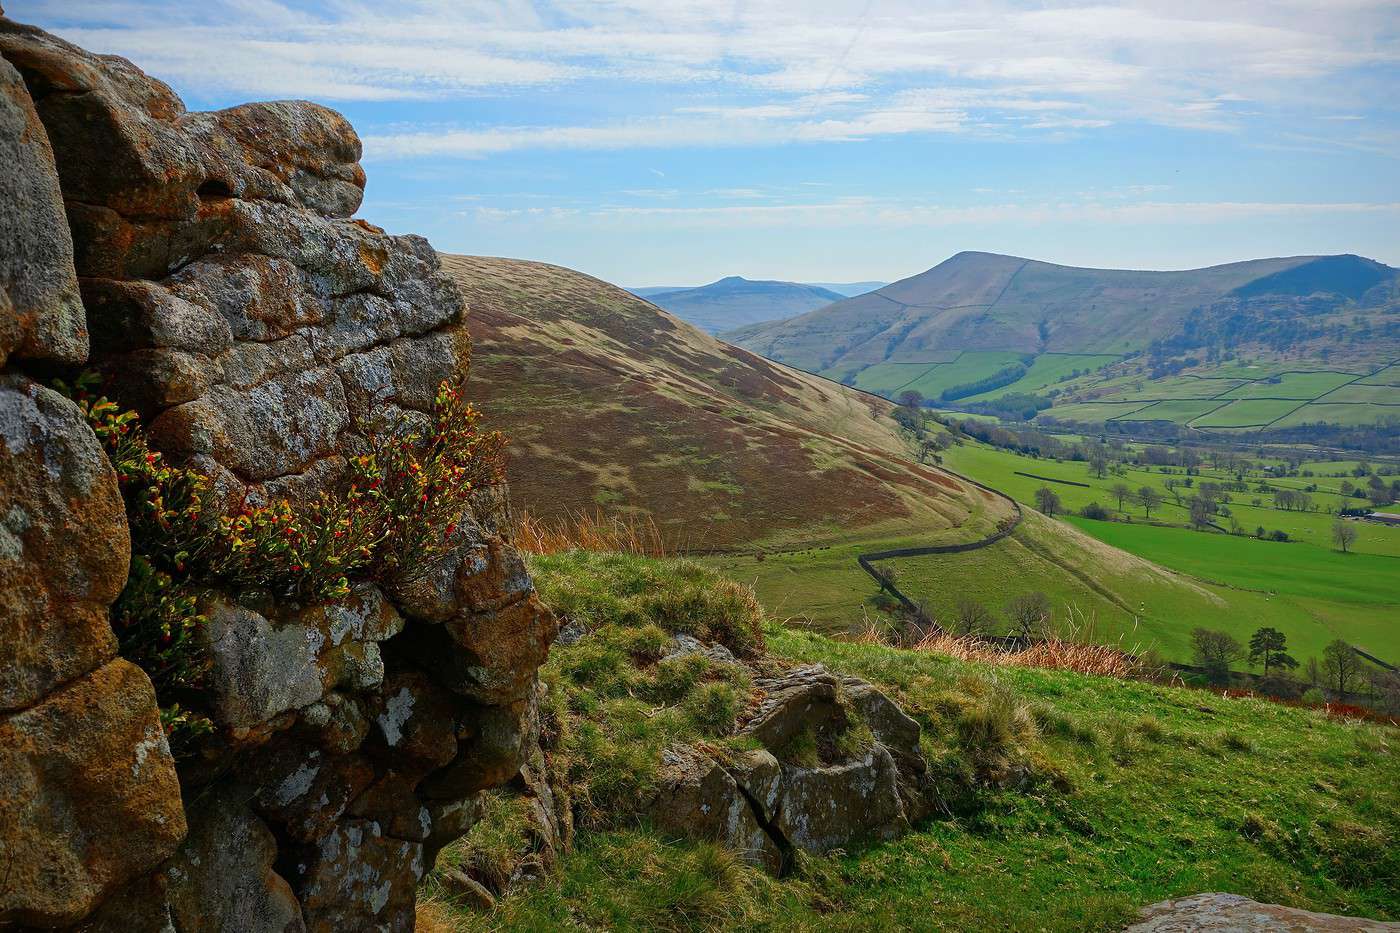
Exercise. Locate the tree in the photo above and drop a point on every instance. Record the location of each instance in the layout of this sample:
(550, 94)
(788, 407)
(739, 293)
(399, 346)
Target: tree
(1121, 492)
(1201, 511)
(1215, 651)
(1343, 534)
(1150, 499)
(1269, 647)
(911, 398)
(1098, 461)
(1047, 501)
(971, 617)
(1172, 483)
(1028, 613)
(1342, 666)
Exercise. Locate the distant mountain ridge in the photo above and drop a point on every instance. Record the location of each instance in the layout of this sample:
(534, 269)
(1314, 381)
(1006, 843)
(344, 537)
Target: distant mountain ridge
(985, 301)
(735, 301)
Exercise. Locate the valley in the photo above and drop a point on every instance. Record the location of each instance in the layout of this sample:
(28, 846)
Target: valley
(780, 479)
(1277, 345)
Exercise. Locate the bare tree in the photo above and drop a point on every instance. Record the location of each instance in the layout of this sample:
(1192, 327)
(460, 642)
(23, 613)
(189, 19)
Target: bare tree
(1343, 534)
(1149, 498)
(1029, 613)
(1215, 651)
(1342, 666)
(971, 617)
(1120, 491)
(1047, 501)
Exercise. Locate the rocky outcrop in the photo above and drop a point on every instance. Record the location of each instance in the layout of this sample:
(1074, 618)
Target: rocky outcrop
(1231, 913)
(839, 765)
(210, 270)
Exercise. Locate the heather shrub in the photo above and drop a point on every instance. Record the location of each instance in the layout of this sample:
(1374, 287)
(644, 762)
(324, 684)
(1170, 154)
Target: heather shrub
(394, 516)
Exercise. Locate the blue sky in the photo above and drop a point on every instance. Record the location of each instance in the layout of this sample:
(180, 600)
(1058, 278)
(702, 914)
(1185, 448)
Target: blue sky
(677, 141)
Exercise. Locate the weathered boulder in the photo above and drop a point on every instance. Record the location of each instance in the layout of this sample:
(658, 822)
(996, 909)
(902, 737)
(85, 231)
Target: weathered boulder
(89, 793)
(832, 806)
(64, 547)
(700, 799)
(1231, 913)
(264, 337)
(818, 783)
(41, 313)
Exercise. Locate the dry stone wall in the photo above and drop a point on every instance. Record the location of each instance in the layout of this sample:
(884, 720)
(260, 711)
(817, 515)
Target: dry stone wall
(207, 264)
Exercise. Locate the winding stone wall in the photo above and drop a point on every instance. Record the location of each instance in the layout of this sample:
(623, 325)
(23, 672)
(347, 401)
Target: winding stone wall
(228, 296)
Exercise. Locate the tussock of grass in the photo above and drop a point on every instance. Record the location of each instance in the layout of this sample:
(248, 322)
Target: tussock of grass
(589, 531)
(630, 591)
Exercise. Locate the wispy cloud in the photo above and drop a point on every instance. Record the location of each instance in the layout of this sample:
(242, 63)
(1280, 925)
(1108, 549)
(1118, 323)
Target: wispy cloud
(855, 212)
(824, 70)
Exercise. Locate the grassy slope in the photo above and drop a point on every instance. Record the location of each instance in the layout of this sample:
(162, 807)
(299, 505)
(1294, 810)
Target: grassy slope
(1304, 588)
(1140, 793)
(610, 402)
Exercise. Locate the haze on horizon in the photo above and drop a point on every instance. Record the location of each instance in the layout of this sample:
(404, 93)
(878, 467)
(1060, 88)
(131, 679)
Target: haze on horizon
(654, 142)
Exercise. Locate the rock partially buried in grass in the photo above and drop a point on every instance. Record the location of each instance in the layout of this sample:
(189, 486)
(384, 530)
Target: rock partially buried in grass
(1231, 913)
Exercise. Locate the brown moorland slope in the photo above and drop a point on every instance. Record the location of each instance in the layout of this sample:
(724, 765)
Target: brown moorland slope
(611, 402)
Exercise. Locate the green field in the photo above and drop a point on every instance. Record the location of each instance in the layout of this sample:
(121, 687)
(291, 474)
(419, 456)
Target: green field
(1047, 370)
(1361, 392)
(1293, 385)
(1246, 413)
(888, 378)
(1264, 394)
(1390, 376)
(970, 366)
(1178, 411)
(1350, 413)
(1175, 387)
(1097, 411)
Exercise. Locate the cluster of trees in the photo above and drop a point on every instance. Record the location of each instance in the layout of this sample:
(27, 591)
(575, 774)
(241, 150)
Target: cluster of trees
(1147, 497)
(1013, 406)
(1340, 671)
(1002, 377)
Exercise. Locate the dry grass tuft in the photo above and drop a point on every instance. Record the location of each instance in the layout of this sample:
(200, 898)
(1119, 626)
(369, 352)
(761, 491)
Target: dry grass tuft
(1054, 654)
(583, 531)
(1078, 652)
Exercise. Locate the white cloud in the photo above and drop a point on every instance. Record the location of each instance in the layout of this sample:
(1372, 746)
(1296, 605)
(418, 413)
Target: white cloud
(860, 212)
(816, 70)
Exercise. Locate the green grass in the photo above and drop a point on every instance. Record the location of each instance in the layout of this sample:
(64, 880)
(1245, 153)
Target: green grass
(1138, 793)
(1096, 411)
(888, 378)
(1245, 413)
(1046, 372)
(1390, 376)
(970, 366)
(1297, 569)
(1304, 588)
(1293, 385)
(1361, 392)
(1179, 411)
(1352, 413)
(1174, 387)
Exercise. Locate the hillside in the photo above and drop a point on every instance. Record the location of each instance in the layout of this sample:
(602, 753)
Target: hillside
(610, 402)
(980, 326)
(738, 302)
(1066, 801)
